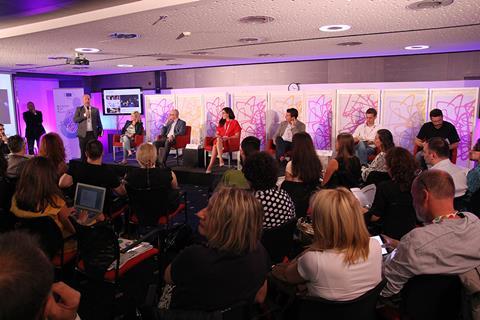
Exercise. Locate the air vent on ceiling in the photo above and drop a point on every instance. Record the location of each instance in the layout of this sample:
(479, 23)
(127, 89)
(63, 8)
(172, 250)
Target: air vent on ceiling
(58, 58)
(24, 64)
(79, 67)
(165, 59)
(123, 35)
(257, 19)
(174, 64)
(349, 44)
(201, 53)
(429, 4)
(250, 40)
(264, 55)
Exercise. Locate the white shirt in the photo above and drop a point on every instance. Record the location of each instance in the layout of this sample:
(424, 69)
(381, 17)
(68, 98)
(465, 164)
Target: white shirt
(89, 119)
(330, 278)
(366, 133)
(172, 129)
(458, 174)
(287, 135)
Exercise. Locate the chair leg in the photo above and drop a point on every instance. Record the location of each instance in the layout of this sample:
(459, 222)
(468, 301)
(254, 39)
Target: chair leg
(205, 152)
(176, 150)
(113, 148)
(229, 159)
(238, 160)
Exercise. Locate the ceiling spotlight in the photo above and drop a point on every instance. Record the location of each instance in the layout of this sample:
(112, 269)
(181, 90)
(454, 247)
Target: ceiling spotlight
(184, 34)
(417, 47)
(124, 65)
(257, 19)
(335, 28)
(87, 50)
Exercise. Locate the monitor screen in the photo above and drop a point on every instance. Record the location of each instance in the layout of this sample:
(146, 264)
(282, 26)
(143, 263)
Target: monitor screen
(89, 197)
(122, 101)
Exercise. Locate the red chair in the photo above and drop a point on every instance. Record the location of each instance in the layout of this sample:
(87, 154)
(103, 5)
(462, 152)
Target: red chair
(181, 141)
(453, 152)
(230, 146)
(271, 148)
(138, 140)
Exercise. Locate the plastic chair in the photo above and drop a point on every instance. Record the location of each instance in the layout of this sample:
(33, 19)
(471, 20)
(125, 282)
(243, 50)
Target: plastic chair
(181, 141)
(453, 152)
(361, 308)
(138, 140)
(271, 149)
(279, 241)
(230, 146)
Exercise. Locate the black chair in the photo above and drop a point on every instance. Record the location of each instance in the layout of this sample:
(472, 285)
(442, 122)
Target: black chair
(431, 297)
(375, 177)
(361, 308)
(279, 241)
(300, 194)
(239, 311)
(7, 189)
(474, 203)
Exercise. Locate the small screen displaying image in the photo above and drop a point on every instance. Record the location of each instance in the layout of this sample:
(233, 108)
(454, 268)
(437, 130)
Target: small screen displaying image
(122, 101)
(4, 108)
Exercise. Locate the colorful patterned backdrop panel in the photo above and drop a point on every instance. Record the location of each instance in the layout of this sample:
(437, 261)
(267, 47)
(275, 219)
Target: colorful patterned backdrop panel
(459, 107)
(320, 118)
(214, 103)
(404, 112)
(190, 108)
(250, 111)
(351, 107)
(157, 108)
(278, 104)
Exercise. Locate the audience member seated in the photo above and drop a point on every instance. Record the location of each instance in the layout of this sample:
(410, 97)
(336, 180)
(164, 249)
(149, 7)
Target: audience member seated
(437, 127)
(17, 157)
(38, 195)
(345, 169)
(51, 147)
(235, 178)
(284, 134)
(5, 194)
(436, 153)
(364, 136)
(392, 209)
(232, 267)
(447, 244)
(131, 128)
(27, 290)
(147, 178)
(383, 142)
(302, 173)
(95, 173)
(3, 140)
(228, 128)
(343, 262)
(473, 180)
(261, 171)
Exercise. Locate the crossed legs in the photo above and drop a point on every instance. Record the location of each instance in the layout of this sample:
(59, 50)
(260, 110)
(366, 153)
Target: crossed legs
(217, 150)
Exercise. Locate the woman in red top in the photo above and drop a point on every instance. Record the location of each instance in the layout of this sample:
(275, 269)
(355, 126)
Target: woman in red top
(228, 128)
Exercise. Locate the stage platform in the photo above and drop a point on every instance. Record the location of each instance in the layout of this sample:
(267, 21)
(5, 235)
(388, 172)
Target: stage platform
(185, 175)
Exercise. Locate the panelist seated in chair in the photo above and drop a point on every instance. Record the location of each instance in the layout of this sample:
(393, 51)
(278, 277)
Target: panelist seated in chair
(231, 268)
(132, 127)
(174, 127)
(343, 262)
(437, 127)
(284, 134)
(364, 136)
(228, 128)
(149, 187)
(37, 195)
(93, 172)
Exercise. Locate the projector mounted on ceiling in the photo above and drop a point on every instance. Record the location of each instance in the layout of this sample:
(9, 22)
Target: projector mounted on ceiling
(79, 60)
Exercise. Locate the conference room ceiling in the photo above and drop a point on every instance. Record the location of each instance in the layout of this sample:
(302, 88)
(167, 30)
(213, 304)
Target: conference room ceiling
(28, 42)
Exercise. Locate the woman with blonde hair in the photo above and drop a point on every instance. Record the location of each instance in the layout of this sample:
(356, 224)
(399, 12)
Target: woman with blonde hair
(52, 148)
(231, 267)
(153, 192)
(345, 169)
(343, 262)
(132, 127)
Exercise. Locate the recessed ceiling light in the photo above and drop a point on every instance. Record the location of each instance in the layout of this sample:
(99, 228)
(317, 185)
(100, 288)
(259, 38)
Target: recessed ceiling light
(165, 59)
(429, 4)
(335, 28)
(251, 40)
(265, 55)
(257, 19)
(417, 47)
(123, 35)
(349, 44)
(201, 53)
(124, 65)
(87, 50)
(174, 64)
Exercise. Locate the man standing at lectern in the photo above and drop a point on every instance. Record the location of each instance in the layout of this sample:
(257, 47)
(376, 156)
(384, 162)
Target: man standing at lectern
(174, 127)
(89, 124)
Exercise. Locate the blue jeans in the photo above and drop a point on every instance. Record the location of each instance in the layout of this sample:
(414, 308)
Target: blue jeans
(362, 151)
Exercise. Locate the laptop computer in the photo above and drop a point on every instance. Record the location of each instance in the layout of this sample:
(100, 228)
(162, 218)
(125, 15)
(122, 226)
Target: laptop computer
(89, 199)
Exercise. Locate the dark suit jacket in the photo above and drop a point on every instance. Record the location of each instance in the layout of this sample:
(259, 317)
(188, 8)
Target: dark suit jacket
(138, 127)
(33, 121)
(81, 119)
(179, 129)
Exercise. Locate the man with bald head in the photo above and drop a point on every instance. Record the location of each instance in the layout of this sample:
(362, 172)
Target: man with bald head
(447, 244)
(89, 124)
(166, 139)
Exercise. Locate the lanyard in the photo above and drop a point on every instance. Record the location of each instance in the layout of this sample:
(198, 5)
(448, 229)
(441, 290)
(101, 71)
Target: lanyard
(448, 216)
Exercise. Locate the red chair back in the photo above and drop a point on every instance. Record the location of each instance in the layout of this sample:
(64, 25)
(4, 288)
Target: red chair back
(139, 138)
(232, 145)
(181, 141)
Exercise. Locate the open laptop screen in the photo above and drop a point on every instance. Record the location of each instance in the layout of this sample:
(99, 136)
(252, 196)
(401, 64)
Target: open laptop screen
(89, 197)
